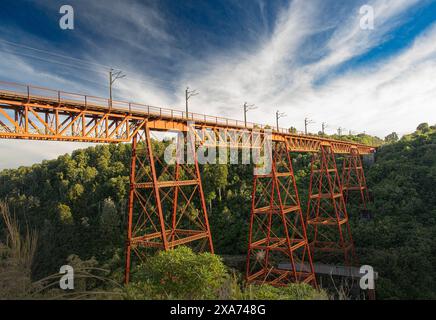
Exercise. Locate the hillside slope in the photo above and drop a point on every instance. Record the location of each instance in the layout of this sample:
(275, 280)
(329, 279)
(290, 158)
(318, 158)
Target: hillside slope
(401, 241)
(77, 203)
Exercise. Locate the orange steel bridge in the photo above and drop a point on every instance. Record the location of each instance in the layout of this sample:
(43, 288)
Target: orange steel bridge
(166, 205)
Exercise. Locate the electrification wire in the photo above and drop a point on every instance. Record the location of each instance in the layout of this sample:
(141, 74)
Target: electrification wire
(129, 78)
(107, 68)
(55, 54)
(68, 66)
(50, 61)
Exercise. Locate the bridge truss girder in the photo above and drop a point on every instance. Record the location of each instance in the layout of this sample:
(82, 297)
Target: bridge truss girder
(63, 123)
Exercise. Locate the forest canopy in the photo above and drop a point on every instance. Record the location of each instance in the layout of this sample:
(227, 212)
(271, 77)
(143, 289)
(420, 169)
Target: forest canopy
(77, 205)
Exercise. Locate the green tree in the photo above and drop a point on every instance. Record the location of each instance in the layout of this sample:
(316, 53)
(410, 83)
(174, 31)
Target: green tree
(393, 137)
(109, 219)
(423, 127)
(65, 215)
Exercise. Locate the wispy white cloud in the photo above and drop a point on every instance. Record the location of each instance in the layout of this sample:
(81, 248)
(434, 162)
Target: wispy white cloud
(228, 79)
(272, 78)
(395, 94)
(350, 40)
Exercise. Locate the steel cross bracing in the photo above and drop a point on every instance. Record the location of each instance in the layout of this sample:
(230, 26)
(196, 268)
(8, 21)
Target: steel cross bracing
(166, 205)
(277, 231)
(327, 222)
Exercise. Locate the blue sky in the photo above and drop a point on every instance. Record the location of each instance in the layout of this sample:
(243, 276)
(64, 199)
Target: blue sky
(307, 58)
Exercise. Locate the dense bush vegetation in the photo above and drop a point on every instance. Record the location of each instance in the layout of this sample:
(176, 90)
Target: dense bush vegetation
(183, 274)
(400, 241)
(180, 274)
(77, 204)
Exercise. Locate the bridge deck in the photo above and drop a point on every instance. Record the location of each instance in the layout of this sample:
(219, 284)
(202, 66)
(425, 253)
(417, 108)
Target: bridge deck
(30, 112)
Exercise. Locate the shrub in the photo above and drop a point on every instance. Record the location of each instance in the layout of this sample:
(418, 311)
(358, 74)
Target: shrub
(178, 274)
(289, 292)
(183, 274)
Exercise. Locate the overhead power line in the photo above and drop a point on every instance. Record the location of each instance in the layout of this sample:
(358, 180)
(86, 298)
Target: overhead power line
(279, 115)
(114, 76)
(188, 95)
(86, 65)
(306, 124)
(55, 54)
(324, 126)
(51, 61)
(248, 107)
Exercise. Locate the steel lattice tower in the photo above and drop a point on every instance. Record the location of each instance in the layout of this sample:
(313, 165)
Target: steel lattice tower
(163, 200)
(277, 232)
(353, 178)
(327, 218)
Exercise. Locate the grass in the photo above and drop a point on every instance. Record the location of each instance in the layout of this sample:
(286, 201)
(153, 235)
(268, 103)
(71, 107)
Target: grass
(16, 258)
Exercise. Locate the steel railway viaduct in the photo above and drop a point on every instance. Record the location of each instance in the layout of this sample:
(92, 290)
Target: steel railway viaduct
(166, 205)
